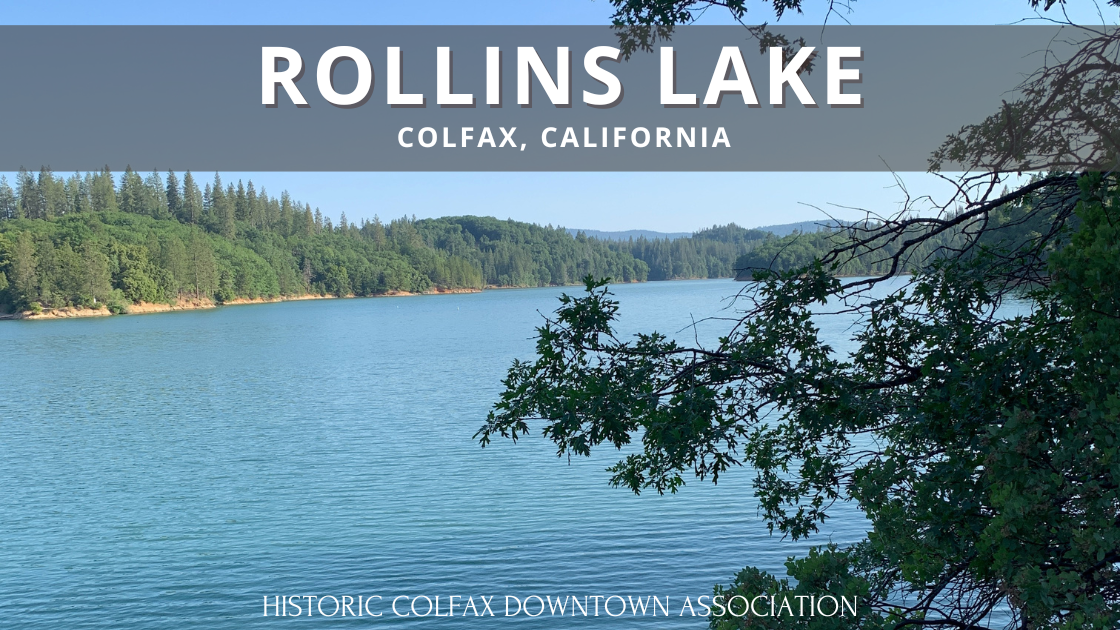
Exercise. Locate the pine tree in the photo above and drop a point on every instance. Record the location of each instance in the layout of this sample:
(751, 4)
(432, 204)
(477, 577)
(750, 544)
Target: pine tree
(270, 210)
(155, 196)
(241, 203)
(52, 195)
(28, 192)
(378, 232)
(9, 205)
(307, 273)
(222, 202)
(254, 213)
(95, 276)
(174, 197)
(47, 271)
(203, 272)
(85, 193)
(173, 258)
(308, 221)
(130, 197)
(76, 194)
(103, 194)
(285, 222)
(192, 200)
(22, 271)
(228, 225)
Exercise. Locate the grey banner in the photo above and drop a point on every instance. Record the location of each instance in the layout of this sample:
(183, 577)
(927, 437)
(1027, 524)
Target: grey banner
(191, 97)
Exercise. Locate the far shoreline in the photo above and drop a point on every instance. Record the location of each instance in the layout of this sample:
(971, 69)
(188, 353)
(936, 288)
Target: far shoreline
(198, 304)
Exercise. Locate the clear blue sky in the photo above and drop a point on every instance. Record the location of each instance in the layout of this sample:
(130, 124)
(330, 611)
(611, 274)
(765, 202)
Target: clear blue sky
(605, 201)
(491, 12)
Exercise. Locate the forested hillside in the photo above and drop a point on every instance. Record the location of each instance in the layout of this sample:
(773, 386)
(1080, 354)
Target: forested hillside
(710, 253)
(799, 249)
(94, 240)
(105, 241)
(511, 253)
(520, 254)
(1013, 225)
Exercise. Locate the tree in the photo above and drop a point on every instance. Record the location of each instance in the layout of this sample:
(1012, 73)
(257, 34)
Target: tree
(155, 256)
(981, 446)
(286, 214)
(48, 274)
(221, 209)
(308, 221)
(980, 442)
(130, 198)
(174, 196)
(203, 270)
(95, 274)
(22, 271)
(255, 214)
(77, 193)
(52, 195)
(377, 231)
(192, 200)
(134, 273)
(173, 258)
(155, 197)
(103, 194)
(9, 208)
(270, 210)
(29, 198)
(338, 281)
(241, 203)
(671, 13)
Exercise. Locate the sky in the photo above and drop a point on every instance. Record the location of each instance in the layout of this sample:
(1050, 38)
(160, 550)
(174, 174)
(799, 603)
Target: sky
(668, 202)
(496, 12)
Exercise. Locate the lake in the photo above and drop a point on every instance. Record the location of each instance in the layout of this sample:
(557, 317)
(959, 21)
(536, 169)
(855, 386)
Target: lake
(169, 471)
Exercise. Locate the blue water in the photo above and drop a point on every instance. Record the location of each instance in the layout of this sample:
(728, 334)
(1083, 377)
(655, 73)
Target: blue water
(169, 471)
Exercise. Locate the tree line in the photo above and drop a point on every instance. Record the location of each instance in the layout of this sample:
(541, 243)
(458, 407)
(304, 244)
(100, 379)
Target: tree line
(855, 249)
(98, 239)
(710, 253)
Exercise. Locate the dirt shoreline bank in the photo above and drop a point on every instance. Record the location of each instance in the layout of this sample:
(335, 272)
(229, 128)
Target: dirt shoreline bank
(194, 304)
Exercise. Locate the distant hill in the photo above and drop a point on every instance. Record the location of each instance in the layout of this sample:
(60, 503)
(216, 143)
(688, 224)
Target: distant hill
(781, 229)
(805, 227)
(626, 235)
(707, 253)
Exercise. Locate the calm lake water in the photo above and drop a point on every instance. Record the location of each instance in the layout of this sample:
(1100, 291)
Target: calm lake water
(169, 471)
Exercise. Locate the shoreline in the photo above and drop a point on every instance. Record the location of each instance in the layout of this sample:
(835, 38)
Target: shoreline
(197, 304)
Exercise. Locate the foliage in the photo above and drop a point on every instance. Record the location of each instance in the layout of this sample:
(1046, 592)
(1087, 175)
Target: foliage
(980, 439)
(975, 422)
(520, 254)
(510, 253)
(85, 241)
(801, 249)
(709, 253)
(166, 241)
(1064, 115)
